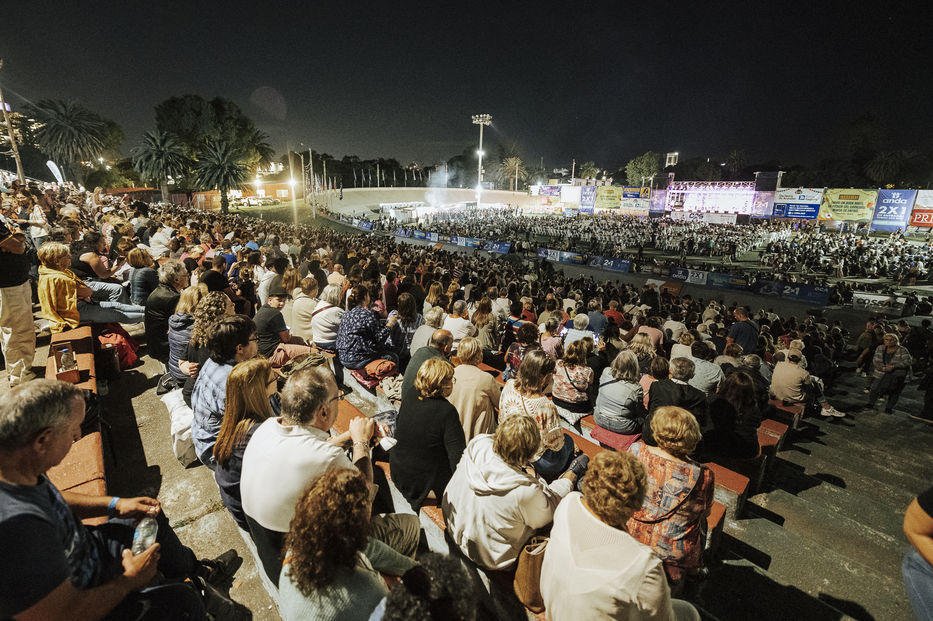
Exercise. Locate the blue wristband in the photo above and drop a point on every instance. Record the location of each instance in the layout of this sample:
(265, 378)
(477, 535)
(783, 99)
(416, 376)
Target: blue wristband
(112, 507)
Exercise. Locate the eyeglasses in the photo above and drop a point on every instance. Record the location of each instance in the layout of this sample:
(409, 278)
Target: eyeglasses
(254, 338)
(340, 397)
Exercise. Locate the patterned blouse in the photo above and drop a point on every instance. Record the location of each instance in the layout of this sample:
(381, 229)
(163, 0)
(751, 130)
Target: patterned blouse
(571, 382)
(511, 403)
(672, 520)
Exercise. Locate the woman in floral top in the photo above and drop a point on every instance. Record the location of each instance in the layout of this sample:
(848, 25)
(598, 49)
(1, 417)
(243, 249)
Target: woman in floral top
(525, 396)
(525, 340)
(672, 520)
(361, 337)
(573, 382)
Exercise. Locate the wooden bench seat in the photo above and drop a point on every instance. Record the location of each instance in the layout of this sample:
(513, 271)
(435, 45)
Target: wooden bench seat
(714, 525)
(82, 340)
(731, 489)
(82, 470)
(793, 412)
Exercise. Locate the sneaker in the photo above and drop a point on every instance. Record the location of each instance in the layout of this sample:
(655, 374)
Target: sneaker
(922, 418)
(218, 570)
(862, 374)
(831, 411)
(219, 606)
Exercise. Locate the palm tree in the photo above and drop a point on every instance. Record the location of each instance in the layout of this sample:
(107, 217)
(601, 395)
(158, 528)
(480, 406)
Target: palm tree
(885, 166)
(220, 167)
(735, 162)
(68, 132)
(589, 169)
(512, 169)
(159, 157)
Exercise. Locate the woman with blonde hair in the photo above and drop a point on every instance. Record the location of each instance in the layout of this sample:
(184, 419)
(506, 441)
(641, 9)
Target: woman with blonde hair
(249, 386)
(436, 297)
(581, 578)
(429, 437)
(475, 394)
(681, 348)
(644, 350)
(209, 310)
(180, 325)
(305, 300)
(487, 327)
(495, 501)
(143, 276)
(672, 519)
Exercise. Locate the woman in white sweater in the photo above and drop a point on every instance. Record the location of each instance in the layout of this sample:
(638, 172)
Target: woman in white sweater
(593, 569)
(494, 501)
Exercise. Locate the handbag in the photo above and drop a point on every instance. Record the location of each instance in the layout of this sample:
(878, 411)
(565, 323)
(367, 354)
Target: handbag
(527, 583)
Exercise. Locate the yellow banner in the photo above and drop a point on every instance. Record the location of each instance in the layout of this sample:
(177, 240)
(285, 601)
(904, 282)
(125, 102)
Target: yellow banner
(608, 197)
(847, 205)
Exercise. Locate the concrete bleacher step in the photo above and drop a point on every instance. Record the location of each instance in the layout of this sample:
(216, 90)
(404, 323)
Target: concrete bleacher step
(738, 590)
(882, 517)
(849, 535)
(844, 469)
(843, 478)
(818, 570)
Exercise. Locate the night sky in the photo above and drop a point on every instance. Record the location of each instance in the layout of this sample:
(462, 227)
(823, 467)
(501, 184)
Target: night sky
(569, 80)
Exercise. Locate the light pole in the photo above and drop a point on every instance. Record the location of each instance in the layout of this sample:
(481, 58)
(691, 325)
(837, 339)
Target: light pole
(481, 120)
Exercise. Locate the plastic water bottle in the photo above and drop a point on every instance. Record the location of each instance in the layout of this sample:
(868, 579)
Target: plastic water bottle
(145, 535)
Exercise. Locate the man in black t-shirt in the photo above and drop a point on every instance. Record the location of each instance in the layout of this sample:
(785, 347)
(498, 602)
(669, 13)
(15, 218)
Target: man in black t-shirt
(214, 278)
(18, 338)
(918, 564)
(56, 567)
(275, 341)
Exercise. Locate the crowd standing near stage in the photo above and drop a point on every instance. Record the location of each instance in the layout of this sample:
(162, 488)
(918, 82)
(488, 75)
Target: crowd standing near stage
(243, 314)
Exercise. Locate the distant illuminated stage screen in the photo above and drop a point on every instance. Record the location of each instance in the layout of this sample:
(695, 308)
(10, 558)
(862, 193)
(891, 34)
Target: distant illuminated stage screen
(735, 197)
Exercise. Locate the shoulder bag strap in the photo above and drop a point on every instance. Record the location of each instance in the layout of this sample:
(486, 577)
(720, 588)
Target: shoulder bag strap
(322, 309)
(675, 508)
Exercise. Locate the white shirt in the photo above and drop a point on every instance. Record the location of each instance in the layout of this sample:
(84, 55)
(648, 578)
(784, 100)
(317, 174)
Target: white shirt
(460, 328)
(279, 463)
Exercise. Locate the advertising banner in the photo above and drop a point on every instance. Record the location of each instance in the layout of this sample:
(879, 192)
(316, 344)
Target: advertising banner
(658, 201)
(432, 237)
(709, 218)
(631, 192)
(847, 205)
(893, 210)
(500, 247)
(809, 294)
(763, 204)
(561, 256)
(366, 225)
(611, 265)
(922, 214)
(694, 277)
(608, 197)
(418, 234)
(587, 197)
(570, 195)
(727, 281)
(635, 206)
(402, 232)
(549, 190)
(872, 302)
(797, 203)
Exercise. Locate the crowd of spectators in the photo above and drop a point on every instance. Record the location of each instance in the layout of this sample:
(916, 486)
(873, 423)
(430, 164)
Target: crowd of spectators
(228, 302)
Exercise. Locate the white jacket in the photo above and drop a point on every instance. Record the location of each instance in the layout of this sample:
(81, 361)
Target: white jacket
(491, 508)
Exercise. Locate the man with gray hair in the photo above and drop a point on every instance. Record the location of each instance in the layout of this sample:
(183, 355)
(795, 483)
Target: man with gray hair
(173, 277)
(56, 567)
(287, 454)
(440, 345)
(458, 323)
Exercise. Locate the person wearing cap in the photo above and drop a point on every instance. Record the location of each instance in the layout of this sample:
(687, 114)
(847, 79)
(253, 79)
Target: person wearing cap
(275, 340)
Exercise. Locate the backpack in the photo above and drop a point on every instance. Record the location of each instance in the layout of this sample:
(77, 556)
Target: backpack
(113, 335)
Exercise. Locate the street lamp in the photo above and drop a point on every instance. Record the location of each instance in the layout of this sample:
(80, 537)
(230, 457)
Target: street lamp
(481, 120)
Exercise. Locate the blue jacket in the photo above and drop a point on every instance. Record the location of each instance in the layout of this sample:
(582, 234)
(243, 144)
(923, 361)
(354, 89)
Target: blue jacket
(179, 333)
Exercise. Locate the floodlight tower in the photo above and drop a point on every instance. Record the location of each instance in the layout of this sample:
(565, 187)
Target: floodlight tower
(481, 120)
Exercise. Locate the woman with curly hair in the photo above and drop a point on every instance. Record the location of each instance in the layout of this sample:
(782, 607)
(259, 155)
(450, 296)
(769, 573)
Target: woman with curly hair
(582, 578)
(672, 520)
(325, 574)
(180, 325)
(207, 313)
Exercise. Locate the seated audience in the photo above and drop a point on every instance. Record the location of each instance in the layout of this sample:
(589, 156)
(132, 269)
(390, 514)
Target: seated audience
(275, 339)
(580, 330)
(429, 437)
(620, 403)
(644, 350)
(550, 339)
(672, 519)
(675, 391)
(303, 309)
(791, 384)
(438, 589)
(143, 277)
(329, 569)
(433, 320)
(361, 336)
(180, 325)
(526, 339)
(54, 566)
(706, 373)
(573, 383)
(525, 396)
(734, 418)
(494, 502)
(582, 578)
(209, 310)
(681, 349)
(160, 305)
(250, 385)
(476, 393)
(325, 320)
(439, 346)
(660, 370)
(458, 323)
(232, 340)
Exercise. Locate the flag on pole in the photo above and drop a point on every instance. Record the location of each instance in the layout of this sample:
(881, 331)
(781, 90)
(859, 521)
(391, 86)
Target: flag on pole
(393, 178)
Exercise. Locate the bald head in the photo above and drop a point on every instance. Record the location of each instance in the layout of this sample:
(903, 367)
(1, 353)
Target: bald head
(443, 341)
